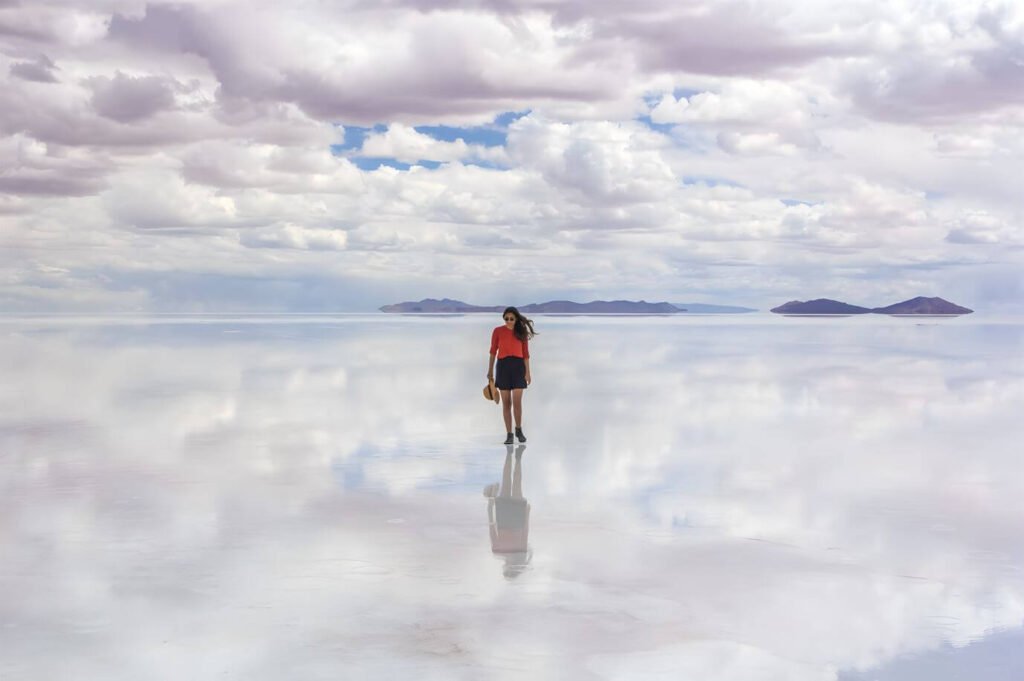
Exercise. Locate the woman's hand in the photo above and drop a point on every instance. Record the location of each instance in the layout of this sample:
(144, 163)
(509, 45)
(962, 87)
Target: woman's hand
(490, 375)
(528, 379)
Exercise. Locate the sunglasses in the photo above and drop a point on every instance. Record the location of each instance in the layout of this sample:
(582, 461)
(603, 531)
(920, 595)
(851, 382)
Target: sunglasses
(510, 319)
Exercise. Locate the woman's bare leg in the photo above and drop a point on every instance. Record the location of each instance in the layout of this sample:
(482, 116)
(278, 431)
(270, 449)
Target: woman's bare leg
(506, 409)
(517, 405)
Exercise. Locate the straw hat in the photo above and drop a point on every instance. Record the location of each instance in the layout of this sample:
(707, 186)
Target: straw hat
(491, 393)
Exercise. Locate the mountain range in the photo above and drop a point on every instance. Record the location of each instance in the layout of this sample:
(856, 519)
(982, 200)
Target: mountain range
(914, 306)
(550, 307)
(820, 306)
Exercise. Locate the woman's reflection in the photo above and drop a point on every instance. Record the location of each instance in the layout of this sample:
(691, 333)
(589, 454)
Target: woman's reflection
(508, 514)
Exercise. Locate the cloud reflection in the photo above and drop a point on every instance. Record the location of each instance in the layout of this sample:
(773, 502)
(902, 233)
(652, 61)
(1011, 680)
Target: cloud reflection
(735, 498)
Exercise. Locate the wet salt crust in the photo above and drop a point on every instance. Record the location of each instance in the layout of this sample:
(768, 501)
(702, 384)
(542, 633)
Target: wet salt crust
(710, 497)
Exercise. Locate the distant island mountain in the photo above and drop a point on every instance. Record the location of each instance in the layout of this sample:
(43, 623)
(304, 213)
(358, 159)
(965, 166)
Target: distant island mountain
(550, 307)
(914, 306)
(819, 306)
(922, 305)
(433, 305)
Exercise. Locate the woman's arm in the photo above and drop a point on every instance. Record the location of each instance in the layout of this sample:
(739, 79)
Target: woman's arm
(493, 352)
(526, 359)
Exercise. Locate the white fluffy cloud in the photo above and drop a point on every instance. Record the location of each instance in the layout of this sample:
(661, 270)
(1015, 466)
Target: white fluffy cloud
(405, 144)
(740, 101)
(594, 162)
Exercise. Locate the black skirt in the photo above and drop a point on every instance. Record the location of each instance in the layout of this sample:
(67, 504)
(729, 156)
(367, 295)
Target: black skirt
(510, 373)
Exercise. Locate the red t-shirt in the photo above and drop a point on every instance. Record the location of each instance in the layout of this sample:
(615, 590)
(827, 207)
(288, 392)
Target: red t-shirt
(505, 343)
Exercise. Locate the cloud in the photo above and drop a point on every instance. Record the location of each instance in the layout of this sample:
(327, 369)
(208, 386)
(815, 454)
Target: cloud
(753, 117)
(770, 143)
(980, 141)
(603, 162)
(156, 113)
(39, 71)
(285, 170)
(128, 99)
(980, 227)
(740, 101)
(727, 38)
(958, 62)
(162, 200)
(405, 144)
(31, 168)
(441, 66)
(46, 184)
(296, 236)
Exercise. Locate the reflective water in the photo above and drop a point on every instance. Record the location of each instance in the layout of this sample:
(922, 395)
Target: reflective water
(714, 498)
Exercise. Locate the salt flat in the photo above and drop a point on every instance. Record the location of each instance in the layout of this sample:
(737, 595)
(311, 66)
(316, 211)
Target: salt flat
(710, 497)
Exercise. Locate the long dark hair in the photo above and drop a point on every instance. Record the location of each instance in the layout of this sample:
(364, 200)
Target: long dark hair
(523, 328)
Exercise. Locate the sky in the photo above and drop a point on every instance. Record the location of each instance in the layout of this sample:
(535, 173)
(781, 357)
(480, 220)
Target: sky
(257, 156)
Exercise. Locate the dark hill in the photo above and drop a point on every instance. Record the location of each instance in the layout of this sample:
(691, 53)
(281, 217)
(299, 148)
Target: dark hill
(922, 305)
(819, 306)
(433, 305)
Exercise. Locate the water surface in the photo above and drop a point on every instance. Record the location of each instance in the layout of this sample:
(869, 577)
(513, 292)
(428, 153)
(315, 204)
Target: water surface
(709, 497)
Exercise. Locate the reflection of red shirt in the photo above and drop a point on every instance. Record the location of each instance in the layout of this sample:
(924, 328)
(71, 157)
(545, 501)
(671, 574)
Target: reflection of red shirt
(510, 524)
(505, 343)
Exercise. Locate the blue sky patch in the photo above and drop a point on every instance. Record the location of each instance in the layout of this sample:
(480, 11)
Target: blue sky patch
(652, 99)
(481, 163)
(483, 135)
(354, 138)
(657, 127)
(373, 163)
(376, 162)
(506, 119)
(709, 181)
(494, 134)
(685, 93)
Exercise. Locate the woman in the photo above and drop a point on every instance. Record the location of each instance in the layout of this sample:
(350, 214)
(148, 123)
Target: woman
(511, 345)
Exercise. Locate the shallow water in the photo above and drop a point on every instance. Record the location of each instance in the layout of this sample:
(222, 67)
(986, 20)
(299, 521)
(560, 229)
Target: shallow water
(709, 497)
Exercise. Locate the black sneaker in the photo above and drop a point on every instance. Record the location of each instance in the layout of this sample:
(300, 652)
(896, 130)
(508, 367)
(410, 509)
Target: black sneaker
(519, 434)
(508, 440)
